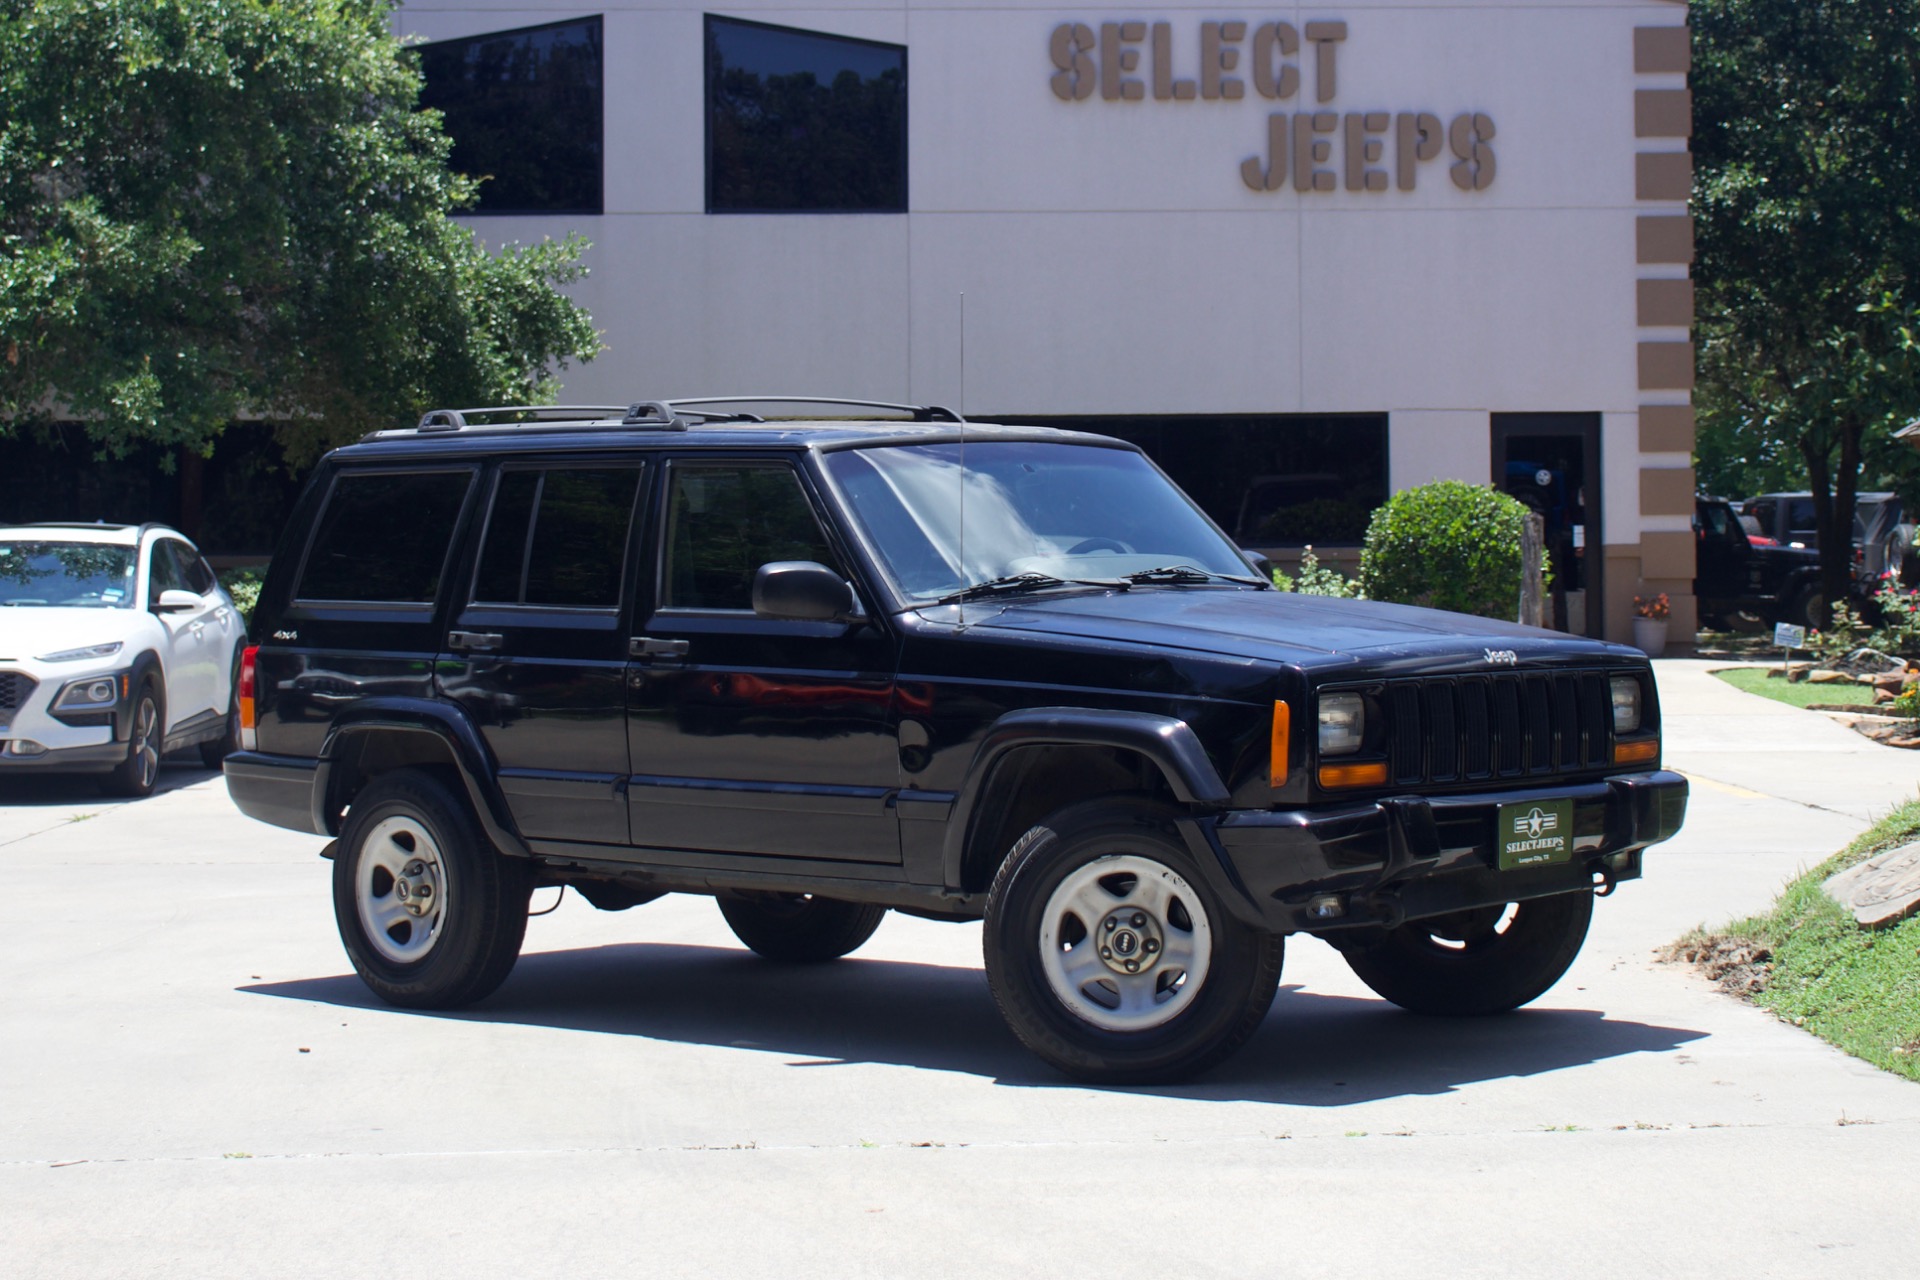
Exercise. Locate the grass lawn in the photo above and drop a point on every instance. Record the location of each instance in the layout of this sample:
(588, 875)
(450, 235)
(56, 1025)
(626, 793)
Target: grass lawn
(1795, 694)
(1811, 964)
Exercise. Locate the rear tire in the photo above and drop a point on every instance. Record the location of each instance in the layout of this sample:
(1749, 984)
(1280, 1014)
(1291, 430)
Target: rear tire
(1809, 610)
(214, 752)
(1112, 958)
(799, 928)
(431, 914)
(1482, 961)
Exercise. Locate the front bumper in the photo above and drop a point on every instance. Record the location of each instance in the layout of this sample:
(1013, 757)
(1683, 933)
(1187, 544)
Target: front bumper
(1380, 863)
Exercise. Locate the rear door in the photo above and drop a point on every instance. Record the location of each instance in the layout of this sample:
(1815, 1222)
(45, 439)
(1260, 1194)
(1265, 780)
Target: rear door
(749, 734)
(364, 619)
(537, 653)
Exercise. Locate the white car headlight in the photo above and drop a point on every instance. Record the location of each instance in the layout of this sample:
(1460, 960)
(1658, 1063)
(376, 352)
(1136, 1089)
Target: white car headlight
(90, 651)
(85, 695)
(1343, 723)
(1626, 704)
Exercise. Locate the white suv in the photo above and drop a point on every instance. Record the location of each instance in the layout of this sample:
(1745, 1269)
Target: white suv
(117, 645)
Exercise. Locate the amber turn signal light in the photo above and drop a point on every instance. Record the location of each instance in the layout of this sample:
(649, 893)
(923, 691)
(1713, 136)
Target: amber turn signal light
(1277, 762)
(1354, 775)
(1635, 752)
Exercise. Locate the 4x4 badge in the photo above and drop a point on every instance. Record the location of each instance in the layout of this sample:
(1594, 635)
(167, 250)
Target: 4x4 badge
(286, 635)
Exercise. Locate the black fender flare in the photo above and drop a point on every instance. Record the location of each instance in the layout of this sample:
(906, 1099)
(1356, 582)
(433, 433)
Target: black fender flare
(471, 759)
(1168, 742)
(147, 664)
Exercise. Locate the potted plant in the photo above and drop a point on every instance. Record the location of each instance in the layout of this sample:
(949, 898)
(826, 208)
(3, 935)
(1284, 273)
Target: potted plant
(1650, 614)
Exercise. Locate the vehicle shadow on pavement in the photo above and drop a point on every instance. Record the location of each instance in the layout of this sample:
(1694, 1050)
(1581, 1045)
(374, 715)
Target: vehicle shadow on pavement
(26, 790)
(1313, 1050)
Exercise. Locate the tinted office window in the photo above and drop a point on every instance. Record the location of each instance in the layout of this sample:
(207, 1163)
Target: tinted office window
(723, 523)
(798, 121)
(524, 111)
(383, 538)
(558, 538)
(1269, 482)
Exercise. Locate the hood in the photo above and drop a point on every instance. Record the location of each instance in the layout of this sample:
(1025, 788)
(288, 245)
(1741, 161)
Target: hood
(1277, 626)
(31, 630)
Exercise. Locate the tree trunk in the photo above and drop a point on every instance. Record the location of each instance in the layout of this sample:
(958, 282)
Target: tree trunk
(192, 492)
(1834, 484)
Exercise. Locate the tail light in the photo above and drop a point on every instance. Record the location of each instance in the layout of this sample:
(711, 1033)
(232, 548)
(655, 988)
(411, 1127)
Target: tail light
(249, 739)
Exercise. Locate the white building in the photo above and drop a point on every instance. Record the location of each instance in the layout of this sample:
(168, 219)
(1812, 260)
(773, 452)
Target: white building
(1306, 255)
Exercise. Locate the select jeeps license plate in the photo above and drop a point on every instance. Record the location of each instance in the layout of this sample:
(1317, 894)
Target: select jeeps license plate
(1535, 833)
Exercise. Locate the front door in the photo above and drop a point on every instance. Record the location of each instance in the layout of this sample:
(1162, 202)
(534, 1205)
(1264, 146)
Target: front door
(750, 734)
(191, 636)
(537, 653)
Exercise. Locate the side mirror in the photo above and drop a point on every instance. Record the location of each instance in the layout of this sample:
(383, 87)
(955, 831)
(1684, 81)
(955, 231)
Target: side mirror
(176, 601)
(802, 591)
(1261, 565)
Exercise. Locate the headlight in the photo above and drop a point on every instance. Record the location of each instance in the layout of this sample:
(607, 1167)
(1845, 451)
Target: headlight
(1626, 704)
(1343, 723)
(83, 695)
(91, 651)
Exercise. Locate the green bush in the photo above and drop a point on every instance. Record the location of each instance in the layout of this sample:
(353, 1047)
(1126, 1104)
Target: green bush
(1446, 545)
(1317, 580)
(244, 586)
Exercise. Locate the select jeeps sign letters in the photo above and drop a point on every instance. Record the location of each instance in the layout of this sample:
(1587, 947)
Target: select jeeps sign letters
(1128, 61)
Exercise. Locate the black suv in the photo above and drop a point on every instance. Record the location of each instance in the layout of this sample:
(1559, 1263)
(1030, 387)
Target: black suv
(819, 669)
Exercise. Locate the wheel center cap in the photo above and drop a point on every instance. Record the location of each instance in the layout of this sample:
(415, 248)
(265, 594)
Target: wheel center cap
(1130, 941)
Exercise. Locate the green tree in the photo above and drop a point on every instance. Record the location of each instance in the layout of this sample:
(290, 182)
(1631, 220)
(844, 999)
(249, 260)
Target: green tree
(1807, 141)
(217, 208)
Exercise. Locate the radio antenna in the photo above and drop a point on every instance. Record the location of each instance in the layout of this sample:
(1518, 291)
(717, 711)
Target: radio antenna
(963, 452)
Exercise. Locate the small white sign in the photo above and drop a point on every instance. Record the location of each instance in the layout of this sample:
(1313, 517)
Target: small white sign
(1787, 636)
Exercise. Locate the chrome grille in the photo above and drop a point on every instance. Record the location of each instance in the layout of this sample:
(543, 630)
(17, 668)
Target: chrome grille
(1496, 726)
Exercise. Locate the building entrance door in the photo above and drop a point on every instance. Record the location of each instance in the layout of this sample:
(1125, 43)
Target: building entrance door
(1551, 463)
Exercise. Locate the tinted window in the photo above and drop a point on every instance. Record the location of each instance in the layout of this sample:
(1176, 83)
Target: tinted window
(558, 537)
(384, 538)
(165, 572)
(1269, 482)
(193, 570)
(798, 120)
(524, 111)
(723, 523)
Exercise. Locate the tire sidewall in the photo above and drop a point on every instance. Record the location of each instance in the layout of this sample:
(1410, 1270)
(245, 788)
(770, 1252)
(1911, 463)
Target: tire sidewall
(435, 978)
(1039, 862)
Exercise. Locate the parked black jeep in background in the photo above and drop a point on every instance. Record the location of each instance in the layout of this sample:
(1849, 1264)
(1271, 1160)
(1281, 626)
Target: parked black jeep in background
(820, 669)
(1743, 580)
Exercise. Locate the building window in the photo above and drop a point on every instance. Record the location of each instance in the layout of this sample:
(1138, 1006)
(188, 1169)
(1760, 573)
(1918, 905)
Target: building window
(523, 108)
(1268, 481)
(801, 122)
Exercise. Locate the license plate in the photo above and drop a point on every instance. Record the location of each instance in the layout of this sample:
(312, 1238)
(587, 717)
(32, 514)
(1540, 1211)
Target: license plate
(1536, 833)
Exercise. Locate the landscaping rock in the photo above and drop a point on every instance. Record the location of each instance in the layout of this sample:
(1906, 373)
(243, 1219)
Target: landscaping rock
(1882, 890)
(1825, 676)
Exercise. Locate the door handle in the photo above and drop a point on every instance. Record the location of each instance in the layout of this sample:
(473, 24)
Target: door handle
(648, 647)
(475, 640)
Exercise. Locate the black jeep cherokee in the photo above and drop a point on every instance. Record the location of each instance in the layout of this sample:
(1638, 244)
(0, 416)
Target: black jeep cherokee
(819, 669)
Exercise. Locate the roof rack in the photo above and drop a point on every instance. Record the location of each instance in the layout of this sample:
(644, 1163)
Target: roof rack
(662, 415)
(920, 412)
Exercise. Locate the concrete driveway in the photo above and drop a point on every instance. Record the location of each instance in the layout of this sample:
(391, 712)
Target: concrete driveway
(192, 1083)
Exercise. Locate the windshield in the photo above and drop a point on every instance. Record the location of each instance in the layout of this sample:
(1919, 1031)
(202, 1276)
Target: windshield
(66, 575)
(1066, 511)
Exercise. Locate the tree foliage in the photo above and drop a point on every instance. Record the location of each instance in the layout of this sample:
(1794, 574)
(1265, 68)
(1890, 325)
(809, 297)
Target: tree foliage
(1807, 141)
(1446, 545)
(221, 208)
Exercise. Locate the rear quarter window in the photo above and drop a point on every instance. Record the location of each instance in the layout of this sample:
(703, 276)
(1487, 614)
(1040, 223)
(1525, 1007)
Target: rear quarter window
(382, 537)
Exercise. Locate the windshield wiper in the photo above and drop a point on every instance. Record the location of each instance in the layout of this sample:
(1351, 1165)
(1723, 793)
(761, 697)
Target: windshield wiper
(1021, 583)
(1180, 574)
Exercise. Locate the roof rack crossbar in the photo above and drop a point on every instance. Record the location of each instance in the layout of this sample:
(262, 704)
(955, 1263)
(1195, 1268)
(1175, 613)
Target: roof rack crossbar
(455, 419)
(920, 412)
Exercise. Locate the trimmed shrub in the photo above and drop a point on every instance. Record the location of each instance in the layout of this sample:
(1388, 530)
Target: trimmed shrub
(1446, 545)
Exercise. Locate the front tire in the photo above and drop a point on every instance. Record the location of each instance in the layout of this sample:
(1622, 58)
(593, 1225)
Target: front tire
(431, 915)
(1481, 961)
(136, 776)
(799, 928)
(1111, 957)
